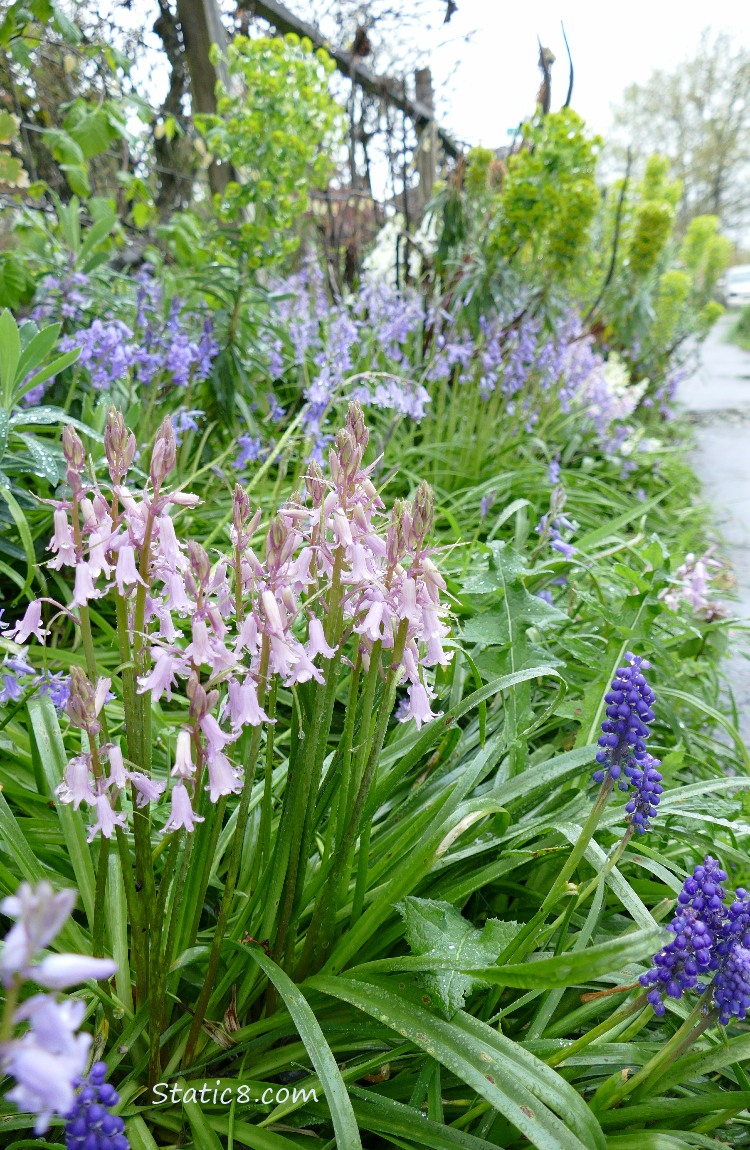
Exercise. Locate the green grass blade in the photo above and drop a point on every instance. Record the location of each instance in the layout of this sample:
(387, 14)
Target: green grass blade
(51, 751)
(485, 1069)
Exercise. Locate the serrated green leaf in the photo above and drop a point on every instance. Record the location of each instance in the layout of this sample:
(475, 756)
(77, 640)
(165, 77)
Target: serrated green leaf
(437, 930)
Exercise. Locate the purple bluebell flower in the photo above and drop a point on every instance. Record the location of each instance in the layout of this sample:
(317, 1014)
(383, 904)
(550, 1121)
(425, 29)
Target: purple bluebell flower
(184, 420)
(180, 356)
(553, 471)
(403, 396)
(61, 296)
(40, 913)
(553, 523)
(35, 395)
(402, 713)
(251, 449)
(106, 351)
(546, 596)
(276, 359)
(48, 1058)
(208, 349)
(57, 686)
(626, 728)
(90, 1124)
(276, 411)
(567, 550)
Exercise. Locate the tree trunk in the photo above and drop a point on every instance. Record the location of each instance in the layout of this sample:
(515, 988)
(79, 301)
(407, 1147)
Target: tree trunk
(201, 25)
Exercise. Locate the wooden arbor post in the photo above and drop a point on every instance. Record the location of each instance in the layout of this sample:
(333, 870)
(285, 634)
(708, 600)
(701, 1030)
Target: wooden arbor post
(427, 138)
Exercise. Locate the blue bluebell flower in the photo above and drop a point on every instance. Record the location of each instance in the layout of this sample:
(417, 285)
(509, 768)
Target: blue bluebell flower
(251, 449)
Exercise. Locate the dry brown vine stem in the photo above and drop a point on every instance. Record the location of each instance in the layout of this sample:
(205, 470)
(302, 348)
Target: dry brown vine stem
(606, 993)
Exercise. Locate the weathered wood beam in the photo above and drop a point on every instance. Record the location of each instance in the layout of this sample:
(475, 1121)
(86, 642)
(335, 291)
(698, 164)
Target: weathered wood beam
(384, 87)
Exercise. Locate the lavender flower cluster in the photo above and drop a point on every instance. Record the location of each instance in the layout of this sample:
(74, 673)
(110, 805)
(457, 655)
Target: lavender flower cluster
(49, 1057)
(553, 526)
(623, 755)
(62, 297)
(373, 342)
(248, 618)
(154, 347)
(18, 678)
(710, 939)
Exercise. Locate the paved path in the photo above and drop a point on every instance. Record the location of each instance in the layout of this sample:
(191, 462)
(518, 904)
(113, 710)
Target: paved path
(718, 398)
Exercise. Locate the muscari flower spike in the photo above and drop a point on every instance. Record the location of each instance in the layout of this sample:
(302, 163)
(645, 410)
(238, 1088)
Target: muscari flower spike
(709, 937)
(623, 755)
(643, 806)
(696, 926)
(90, 1125)
(625, 730)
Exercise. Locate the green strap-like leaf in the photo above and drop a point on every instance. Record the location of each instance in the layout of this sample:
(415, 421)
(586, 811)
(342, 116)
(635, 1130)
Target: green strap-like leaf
(576, 966)
(204, 1136)
(23, 530)
(37, 348)
(54, 368)
(10, 353)
(383, 1115)
(28, 867)
(49, 746)
(479, 1062)
(342, 1114)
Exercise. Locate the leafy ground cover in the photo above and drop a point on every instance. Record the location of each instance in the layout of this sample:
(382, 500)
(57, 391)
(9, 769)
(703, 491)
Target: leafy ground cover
(361, 679)
(739, 332)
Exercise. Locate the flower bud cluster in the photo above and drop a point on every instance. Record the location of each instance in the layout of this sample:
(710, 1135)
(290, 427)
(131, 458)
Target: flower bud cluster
(553, 525)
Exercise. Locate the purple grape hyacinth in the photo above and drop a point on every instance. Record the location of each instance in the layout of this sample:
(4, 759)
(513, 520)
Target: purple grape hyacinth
(90, 1125)
(732, 985)
(625, 730)
(646, 781)
(695, 926)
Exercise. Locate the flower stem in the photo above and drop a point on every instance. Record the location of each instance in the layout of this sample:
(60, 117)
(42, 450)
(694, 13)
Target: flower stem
(233, 868)
(524, 940)
(655, 1067)
(596, 1032)
(9, 1008)
(158, 966)
(102, 865)
(326, 899)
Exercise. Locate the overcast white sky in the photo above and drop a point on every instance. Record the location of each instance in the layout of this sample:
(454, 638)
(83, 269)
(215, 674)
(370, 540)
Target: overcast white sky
(613, 45)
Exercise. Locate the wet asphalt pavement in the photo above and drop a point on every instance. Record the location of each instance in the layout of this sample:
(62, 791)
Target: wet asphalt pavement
(718, 399)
